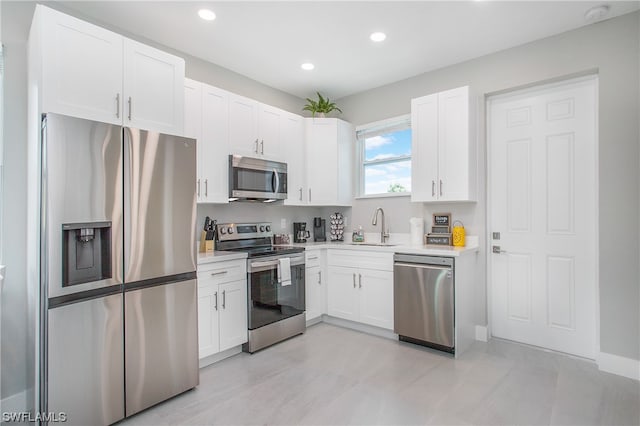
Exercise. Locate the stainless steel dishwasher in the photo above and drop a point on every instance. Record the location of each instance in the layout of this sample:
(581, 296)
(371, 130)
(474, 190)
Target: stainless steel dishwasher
(423, 299)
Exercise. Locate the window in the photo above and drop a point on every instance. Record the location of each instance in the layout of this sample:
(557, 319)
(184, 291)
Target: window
(385, 157)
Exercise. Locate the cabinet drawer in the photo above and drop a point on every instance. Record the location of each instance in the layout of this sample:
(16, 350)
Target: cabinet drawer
(312, 258)
(361, 259)
(223, 272)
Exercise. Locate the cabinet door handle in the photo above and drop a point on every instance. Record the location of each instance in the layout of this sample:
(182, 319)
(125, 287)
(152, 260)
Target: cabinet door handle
(224, 299)
(206, 187)
(256, 150)
(213, 274)
(360, 280)
(216, 296)
(129, 102)
(433, 188)
(319, 277)
(354, 280)
(441, 187)
(118, 105)
(300, 193)
(198, 187)
(309, 194)
(262, 147)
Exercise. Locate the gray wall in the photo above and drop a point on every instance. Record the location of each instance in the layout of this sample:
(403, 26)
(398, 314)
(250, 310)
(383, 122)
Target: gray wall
(17, 347)
(610, 47)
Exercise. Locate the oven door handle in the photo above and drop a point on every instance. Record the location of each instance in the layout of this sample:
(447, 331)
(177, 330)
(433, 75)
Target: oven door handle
(273, 263)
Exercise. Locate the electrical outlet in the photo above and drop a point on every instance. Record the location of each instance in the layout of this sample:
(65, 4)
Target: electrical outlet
(283, 223)
(346, 221)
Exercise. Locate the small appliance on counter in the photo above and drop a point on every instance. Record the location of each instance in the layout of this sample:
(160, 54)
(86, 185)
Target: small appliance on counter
(337, 227)
(319, 229)
(300, 232)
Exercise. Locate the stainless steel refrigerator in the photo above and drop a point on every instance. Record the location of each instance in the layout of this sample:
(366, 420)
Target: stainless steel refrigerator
(118, 314)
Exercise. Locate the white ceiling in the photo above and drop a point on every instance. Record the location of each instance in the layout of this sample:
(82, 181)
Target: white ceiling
(267, 41)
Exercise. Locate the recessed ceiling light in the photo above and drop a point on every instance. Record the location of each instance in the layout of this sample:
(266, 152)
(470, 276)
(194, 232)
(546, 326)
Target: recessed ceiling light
(307, 66)
(596, 13)
(207, 14)
(378, 36)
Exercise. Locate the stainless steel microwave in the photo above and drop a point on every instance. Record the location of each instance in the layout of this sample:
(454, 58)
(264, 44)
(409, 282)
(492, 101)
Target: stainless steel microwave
(255, 179)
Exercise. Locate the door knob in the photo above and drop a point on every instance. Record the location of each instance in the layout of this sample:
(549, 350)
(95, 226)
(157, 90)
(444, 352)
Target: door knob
(497, 250)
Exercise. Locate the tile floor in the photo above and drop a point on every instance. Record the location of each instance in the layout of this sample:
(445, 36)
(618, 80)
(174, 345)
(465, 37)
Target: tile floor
(335, 376)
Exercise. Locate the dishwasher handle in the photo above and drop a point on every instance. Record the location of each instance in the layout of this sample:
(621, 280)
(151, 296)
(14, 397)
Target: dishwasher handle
(424, 266)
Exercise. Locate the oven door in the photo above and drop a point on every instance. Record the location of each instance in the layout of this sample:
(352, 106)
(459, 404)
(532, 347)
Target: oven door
(270, 301)
(254, 178)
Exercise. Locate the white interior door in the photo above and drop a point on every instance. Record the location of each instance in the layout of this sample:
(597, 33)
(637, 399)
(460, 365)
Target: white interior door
(543, 201)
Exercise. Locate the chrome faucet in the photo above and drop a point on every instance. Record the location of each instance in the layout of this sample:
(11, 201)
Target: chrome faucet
(383, 235)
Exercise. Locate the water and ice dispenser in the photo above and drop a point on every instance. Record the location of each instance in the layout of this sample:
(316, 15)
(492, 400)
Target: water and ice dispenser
(86, 251)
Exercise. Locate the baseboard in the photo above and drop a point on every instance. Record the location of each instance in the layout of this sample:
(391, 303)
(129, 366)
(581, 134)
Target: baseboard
(314, 321)
(619, 365)
(369, 329)
(15, 403)
(482, 333)
(212, 359)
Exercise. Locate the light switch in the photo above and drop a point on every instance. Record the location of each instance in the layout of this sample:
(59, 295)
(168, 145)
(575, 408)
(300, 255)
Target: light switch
(283, 223)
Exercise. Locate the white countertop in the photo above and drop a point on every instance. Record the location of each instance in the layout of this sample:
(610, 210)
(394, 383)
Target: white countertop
(220, 256)
(425, 250)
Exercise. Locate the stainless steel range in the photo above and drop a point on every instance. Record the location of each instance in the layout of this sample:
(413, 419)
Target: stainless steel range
(275, 280)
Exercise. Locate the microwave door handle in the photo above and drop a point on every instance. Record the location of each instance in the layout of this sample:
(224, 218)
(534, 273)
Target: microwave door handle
(277, 176)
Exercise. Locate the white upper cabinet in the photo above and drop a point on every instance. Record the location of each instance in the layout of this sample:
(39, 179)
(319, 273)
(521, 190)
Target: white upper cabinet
(269, 126)
(153, 88)
(206, 119)
(293, 148)
(443, 147)
(81, 67)
(193, 110)
(424, 149)
(329, 161)
(255, 129)
(89, 72)
(215, 142)
(243, 126)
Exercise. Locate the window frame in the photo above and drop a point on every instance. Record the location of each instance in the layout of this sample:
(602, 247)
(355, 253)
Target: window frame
(375, 128)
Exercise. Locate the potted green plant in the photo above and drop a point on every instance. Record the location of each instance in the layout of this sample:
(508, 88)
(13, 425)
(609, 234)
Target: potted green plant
(320, 107)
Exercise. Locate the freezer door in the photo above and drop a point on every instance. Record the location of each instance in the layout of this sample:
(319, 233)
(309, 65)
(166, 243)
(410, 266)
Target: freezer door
(160, 205)
(86, 361)
(82, 191)
(161, 337)
(423, 301)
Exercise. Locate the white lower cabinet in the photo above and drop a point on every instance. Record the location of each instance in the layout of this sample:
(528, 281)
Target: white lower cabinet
(315, 286)
(222, 306)
(357, 291)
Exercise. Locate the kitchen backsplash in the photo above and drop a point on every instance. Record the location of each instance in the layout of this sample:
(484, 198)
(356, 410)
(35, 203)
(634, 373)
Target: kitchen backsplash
(259, 212)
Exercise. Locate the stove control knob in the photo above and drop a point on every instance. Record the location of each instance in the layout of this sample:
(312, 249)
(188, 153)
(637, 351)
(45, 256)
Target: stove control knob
(230, 230)
(268, 228)
(261, 228)
(223, 230)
